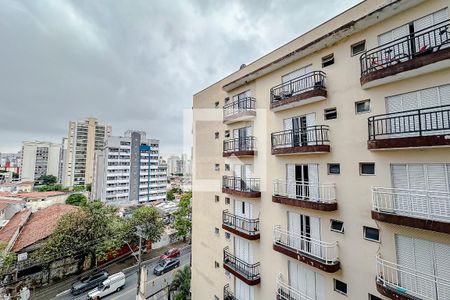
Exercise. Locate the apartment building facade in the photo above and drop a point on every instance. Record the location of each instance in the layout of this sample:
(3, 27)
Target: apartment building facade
(84, 137)
(38, 159)
(127, 170)
(322, 169)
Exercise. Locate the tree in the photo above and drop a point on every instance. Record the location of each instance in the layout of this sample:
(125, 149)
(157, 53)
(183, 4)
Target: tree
(48, 179)
(6, 259)
(91, 232)
(181, 284)
(170, 195)
(183, 223)
(149, 221)
(51, 187)
(77, 199)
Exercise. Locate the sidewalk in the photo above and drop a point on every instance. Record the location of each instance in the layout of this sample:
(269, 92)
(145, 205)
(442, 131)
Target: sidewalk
(50, 291)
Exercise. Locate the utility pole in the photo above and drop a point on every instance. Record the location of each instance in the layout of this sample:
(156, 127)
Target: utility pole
(138, 289)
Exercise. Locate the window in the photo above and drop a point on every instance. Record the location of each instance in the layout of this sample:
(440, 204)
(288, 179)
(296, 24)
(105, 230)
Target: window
(216, 135)
(227, 235)
(327, 60)
(371, 234)
(340, 287)
(216, 167)
(366, 168)
(227, 167)
(337, 226)
(330, 113)
(362, 107)
(358, 48)
(373, 297)
(216, 265)
(227, 133)
(216, 104)
(227, 200)
(216, 230)
(216, 198)
(334, 169)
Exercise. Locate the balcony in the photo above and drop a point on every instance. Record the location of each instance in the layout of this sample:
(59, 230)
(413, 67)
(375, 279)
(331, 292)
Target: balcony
(247, 272)
(429, 210)
(239, 110)
(227, 293)
(318, 196)
(239, 147)
(246, 228)
(399, 282)
(418, 128)
(287, 292)
(298, 91)
(422, 52)
(242, 187)
(315, 253)
(311, 139)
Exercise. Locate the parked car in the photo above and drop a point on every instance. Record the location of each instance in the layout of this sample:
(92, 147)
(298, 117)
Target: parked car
(114, 283)
(88, 282)
(166, 265)
(171, 253)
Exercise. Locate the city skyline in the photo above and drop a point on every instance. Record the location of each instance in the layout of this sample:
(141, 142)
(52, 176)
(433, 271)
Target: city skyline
(106, 69)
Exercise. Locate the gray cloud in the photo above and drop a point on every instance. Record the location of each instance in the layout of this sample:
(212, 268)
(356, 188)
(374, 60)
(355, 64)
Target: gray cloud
(133, 64)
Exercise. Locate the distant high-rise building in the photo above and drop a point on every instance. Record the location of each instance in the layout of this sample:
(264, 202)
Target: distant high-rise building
(83, 139)
(62, 159)
(38, 159)
(127, 170)
(174, 165)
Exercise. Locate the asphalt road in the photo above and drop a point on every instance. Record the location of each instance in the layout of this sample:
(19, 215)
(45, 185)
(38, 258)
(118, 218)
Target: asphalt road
(153, 283)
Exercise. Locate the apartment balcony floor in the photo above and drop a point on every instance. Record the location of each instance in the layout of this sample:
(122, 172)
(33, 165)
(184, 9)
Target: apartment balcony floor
(248, 273)
(305, 203)
(243, 227)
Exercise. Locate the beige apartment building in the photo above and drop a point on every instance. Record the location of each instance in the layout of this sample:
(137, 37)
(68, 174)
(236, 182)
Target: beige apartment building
(322, 169)
(84, 138)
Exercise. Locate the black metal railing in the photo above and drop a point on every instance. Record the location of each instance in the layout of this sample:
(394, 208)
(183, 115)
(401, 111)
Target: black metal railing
(307, 136)
(311, 81)
(238, 106)
(248, 270)
(248, 226)
(417, 122)
(227, 293)
(239, 144)
(425, 41)
(241, 184)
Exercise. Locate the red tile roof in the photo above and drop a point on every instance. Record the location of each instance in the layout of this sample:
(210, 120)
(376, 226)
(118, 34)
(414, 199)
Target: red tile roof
(38, 194)
(8, 231)
(41, 225)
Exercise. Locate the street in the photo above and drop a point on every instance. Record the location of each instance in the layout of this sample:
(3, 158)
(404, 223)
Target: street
(153, 282)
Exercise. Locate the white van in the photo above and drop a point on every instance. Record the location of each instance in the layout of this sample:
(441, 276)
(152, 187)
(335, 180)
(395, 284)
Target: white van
(114, 283)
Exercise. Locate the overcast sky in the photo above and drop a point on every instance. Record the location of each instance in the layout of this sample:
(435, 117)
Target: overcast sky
(133, 64)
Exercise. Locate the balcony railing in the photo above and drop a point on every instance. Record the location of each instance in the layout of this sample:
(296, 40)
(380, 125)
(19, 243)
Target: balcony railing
(241, 184)
(411, 123)
(412, 282)
(311, 81)
(227, 294)
(239, 144)
(315, 192)
(248, 270)
(248, 226)
(322, 251)
(425, 41)
(287, 292)
(308, 136)
(239, 106)
(422, 204)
